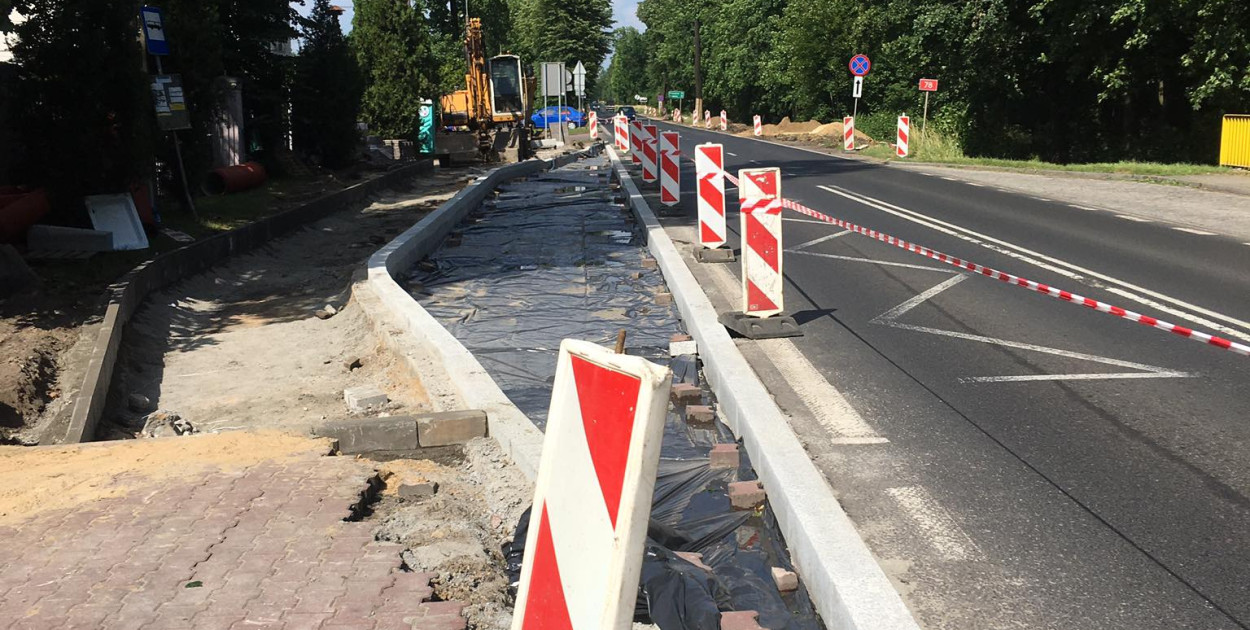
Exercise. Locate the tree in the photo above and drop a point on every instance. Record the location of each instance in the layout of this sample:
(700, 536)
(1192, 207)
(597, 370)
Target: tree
(83, 109)
(628, 70)
(325, 97)
(566, 31)
(392, 44)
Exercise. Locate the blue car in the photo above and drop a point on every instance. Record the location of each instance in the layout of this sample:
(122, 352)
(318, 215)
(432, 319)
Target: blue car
(557, 115)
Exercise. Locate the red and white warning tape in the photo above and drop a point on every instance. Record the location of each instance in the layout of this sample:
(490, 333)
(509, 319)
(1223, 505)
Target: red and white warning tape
(1044, 289)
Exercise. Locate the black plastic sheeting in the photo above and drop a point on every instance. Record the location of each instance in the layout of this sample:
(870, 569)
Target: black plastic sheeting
(554, 257)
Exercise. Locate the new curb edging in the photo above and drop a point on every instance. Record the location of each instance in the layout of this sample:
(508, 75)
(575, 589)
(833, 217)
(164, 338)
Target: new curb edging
(125, 295)
(399, 320)
(844, 580)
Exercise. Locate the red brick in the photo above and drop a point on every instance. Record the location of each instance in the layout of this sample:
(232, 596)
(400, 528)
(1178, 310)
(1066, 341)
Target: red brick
(699, 413)
(685, 393)
(785, 580)
(740, 620)
(746, 495)
(724, 456)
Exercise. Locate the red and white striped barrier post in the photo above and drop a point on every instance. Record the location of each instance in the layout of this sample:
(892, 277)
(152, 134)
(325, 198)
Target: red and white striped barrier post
(848, 133)
(709, 164)
(650, 157)
(759, 126)
(676, 115)
(594, 126)
(592, 499)
(670, 168)
(904, 131)
(622, 133)
(724, 120)
(635, 141)
(759, 192)
(707, 119)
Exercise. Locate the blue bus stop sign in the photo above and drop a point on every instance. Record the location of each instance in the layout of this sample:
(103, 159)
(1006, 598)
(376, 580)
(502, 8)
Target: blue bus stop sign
(860, 65)
(154, 30)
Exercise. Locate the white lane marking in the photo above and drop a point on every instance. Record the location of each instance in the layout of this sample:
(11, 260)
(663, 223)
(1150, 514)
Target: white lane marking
(1056, 265)
(949, 179)
(1084, 208)
(794, 220)
(731, 154)
(1146, 371)
(1046, 199)
(975, 184)
(1193, 231)
(817, 241)
(937, 525)
(1132, 218)
(826, 403)
(822, 399)
(872, 261)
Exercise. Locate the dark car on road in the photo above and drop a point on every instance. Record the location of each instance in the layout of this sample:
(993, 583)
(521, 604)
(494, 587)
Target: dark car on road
(627, 112)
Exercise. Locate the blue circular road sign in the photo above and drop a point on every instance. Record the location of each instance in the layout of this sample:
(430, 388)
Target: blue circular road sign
(860, 65)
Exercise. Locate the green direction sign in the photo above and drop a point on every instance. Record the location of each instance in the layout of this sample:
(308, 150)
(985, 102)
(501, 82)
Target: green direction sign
(677, 94)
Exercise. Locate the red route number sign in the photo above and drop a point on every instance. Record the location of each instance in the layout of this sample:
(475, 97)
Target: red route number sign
(928, 85)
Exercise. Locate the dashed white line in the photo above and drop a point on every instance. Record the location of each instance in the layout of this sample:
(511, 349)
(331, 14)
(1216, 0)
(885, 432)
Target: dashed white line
(731, 154)
(1193, 231)
(1084, 208)
(940, 529)
(949, 179)
(1128, 217)
(975, 184)
(825, 402)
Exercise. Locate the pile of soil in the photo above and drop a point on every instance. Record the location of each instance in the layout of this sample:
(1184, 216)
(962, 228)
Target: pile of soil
(457, 533)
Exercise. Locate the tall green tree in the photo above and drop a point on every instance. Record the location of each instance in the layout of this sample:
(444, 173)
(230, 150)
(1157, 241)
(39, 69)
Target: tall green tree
(627, 73)
(82, 103)
(392, 43)
(325, 96)
(568, 31)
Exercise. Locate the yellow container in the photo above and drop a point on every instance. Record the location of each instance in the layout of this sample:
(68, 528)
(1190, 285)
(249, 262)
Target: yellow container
(1235, 141)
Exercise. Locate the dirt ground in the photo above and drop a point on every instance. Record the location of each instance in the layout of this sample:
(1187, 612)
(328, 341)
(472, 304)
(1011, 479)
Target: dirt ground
(458, 532)
(42, 325)
(242, 345)
(46, 478)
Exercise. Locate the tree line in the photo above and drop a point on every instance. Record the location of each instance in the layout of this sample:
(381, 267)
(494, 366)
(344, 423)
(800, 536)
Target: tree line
(1054, 79)
(79, 113)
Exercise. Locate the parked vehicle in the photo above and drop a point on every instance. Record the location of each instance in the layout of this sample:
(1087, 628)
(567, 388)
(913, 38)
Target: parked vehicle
(556, 115)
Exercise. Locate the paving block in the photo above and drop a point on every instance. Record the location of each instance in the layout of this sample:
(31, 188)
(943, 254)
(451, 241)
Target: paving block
(684, 393)
(414, 491)
(450, 427)
(746, 495)
(678, 337)
(678, 348)
(649, 263)
(693, 558)
(724, 456)
(740, 620)
(699, 413)
(364, 397)
(396, 433)
(786, 580)
(663, 299)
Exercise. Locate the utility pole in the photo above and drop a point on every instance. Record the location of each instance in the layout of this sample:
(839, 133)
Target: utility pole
(698, 73)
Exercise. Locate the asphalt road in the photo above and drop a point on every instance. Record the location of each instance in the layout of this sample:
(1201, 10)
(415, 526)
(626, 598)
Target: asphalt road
(1040, 465)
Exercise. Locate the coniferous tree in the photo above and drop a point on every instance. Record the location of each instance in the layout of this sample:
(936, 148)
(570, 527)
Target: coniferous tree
(392, 44)
(325, 96)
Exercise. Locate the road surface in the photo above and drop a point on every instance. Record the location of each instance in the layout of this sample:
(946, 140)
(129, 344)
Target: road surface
(1014, 460)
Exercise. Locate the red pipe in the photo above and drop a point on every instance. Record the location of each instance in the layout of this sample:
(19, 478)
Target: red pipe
(229, 179)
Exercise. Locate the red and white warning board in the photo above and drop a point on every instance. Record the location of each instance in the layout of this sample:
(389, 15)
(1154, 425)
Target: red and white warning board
(592, 500)
(848, 133)
(759, 126)
(650, 153)
(759, 191)
(904, 134)
(707, 119)
(594, 126)
(724, 120)
(622, 133)
(709, 164)
(670, 168)
(635, 141)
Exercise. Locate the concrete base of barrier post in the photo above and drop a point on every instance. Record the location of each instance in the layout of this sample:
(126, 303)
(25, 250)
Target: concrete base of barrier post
(775, 327)
(718, 255)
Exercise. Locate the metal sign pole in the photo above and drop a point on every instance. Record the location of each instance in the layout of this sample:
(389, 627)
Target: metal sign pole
(182, 169)
(925, 121)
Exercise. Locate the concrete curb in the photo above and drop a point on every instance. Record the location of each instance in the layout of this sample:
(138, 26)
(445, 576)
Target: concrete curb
(125, 295)
(848, 587)
(452, 375)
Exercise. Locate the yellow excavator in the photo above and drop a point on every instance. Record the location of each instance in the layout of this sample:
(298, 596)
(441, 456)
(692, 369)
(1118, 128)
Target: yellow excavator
(487, 120)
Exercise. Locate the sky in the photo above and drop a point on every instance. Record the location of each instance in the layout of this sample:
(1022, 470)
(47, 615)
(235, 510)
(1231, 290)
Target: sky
(623, 11)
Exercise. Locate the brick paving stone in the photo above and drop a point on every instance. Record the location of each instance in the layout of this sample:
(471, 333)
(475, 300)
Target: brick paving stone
(268, 543)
